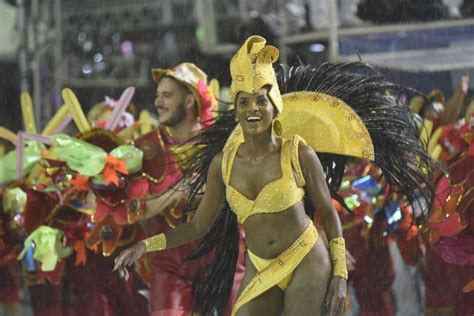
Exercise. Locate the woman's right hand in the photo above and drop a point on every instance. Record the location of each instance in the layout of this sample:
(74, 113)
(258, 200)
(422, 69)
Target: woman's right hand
(128, 257)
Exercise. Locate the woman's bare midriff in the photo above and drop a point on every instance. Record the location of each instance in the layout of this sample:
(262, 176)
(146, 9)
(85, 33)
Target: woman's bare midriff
(268, 235)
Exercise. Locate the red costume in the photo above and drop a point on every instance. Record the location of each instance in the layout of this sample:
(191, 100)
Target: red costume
(373, 273)
(171, 274)
(449, 256)
(9, 289)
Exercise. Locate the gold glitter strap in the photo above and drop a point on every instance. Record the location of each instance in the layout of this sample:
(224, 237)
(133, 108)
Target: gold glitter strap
(225, 160)
(295, 160)
(337, 249)
(155, 243)
(230, 148)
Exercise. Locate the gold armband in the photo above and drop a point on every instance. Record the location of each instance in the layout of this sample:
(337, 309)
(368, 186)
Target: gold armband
(337, 250)
(155, 243)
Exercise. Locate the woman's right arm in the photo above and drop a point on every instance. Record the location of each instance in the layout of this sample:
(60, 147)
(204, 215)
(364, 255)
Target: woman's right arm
(197, 228)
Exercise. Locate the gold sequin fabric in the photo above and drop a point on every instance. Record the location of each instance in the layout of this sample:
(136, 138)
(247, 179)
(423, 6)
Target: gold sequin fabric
(337, 249)
(279, 268)
(155, 243)
(326, 123)
(276, 196)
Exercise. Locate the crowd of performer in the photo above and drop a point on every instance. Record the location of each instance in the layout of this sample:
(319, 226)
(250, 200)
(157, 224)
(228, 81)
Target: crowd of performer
(73, 201)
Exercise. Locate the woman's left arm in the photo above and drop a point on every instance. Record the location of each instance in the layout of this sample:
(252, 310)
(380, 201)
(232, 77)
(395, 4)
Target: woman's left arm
(317, 190)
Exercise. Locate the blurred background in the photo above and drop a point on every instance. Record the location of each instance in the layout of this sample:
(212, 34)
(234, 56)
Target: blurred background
(99, 48)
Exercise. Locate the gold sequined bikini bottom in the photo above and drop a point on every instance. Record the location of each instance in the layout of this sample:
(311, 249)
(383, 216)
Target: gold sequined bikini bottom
(277, 271)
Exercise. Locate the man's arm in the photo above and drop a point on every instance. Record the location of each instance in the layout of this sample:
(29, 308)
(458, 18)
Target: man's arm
(451, 112)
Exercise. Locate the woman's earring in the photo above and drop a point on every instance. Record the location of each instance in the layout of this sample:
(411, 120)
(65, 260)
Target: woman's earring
(277, 128)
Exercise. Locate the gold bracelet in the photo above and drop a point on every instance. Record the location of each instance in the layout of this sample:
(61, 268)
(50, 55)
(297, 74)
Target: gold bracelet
(337, 249)
(155, 243)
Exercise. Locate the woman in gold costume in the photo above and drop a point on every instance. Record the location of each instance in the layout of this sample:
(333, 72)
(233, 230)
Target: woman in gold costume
(268, 179)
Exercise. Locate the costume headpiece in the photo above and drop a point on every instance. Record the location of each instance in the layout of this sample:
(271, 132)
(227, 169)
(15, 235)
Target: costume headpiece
(251, 69)
(105, 137)
(100, 112)
(193, 78)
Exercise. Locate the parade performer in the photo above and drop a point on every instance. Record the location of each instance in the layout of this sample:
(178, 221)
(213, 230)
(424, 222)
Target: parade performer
(26, 206)
(184, 101)
(9, 246)
(96, 162)
(449, 262)
(365, 230)
(441, 131)
(55, 219)
(264, 179)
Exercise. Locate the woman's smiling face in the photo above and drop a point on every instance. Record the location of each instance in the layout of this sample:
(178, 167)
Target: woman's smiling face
(255, 112)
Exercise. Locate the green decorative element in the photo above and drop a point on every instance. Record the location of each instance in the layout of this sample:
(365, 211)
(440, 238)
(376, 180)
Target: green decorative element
(48, 247)
(132, 156)
(98, 180)
(86, 159)
(352, 202)
(51, 188)
(89, 160)
(32, 153)
(346, 184)
(14, 200)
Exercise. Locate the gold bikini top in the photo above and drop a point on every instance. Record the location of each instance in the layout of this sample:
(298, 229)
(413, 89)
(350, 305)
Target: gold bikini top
(276, 196)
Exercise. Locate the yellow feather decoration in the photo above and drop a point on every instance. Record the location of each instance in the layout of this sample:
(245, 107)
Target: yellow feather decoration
(27, 112)
(55, 121)
(76, 111)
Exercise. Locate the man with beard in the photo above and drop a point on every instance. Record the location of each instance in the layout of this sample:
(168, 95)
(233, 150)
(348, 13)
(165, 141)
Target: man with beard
(184, 103)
